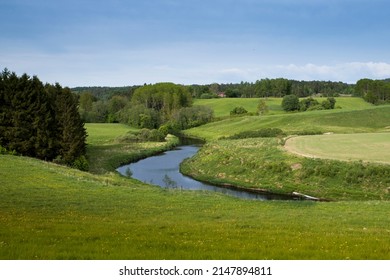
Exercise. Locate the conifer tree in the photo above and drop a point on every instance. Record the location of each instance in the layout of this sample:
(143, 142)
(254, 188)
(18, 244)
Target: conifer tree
(40, 121)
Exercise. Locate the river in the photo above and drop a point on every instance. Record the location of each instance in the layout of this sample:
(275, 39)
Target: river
(164, 170)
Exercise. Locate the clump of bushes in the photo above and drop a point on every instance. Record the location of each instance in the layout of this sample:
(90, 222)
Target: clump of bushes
(4, 151)
(311, 104)
(292, 103)
(238, 111)
(144, 135)
(262, 133)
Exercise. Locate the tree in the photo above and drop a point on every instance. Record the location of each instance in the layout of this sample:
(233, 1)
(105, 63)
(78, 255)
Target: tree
(238, 111)
(40, 121)
(70, 131)
(290, 103)
(262, 107)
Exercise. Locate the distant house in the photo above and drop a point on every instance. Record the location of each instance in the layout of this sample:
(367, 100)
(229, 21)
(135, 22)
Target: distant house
(221, 95)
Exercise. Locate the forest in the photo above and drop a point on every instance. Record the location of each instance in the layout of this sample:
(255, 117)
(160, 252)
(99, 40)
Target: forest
(40, 121)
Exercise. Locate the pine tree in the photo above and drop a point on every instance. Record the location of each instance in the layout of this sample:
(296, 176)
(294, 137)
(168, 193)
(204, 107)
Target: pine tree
(70, 128)
(40, 121)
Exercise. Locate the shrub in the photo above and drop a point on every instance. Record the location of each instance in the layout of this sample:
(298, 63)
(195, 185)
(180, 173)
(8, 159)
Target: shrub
(290, 103)
(81, 163)
(238, 111)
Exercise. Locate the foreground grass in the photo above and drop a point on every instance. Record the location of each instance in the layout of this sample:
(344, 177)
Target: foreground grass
(53, 212)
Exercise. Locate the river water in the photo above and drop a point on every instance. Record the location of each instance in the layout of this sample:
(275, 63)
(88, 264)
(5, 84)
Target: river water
(163, 170)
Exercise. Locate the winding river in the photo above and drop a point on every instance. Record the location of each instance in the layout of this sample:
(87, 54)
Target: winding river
(164, 170)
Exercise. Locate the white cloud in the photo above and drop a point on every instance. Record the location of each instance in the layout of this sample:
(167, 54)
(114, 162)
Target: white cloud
(346, 72)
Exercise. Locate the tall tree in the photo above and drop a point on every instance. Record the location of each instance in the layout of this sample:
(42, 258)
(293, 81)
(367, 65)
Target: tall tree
(71, 132)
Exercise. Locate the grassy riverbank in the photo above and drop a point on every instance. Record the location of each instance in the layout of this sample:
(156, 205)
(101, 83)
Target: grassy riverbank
(107, 150)
(262, 163)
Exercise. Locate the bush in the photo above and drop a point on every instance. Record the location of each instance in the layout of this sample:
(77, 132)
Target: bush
(81, 163)
(290, 103)
(238, 111)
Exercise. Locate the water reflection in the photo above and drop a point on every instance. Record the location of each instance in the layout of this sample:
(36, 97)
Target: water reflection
(163, 170)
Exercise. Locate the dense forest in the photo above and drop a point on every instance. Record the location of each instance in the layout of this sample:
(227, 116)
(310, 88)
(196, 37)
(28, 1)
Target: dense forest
(40, 121)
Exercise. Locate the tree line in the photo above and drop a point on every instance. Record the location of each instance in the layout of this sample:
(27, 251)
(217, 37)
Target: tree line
(41, 121)
(374, 91)
(163, 105)
(272, 87)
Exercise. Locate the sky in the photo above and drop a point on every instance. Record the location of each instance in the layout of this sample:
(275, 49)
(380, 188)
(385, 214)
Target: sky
(120, 43)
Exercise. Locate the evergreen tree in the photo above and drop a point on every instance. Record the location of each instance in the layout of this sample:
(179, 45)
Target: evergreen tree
(40, 121)
(71, 134)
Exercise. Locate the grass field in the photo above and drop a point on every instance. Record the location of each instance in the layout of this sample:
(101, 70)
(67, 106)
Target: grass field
(373, 119)
(372, 147)
(53, 212)
(223, 106)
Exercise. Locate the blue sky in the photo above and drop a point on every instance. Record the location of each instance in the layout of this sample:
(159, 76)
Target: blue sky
(118, 42)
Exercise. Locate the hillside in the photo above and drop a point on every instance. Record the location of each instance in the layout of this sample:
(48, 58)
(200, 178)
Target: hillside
(223, 106)
(338, 121)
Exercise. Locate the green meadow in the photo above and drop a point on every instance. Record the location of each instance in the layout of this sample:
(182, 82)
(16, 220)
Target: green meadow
(223, 106)
(370, 147)
(371, 119)
(48, 211)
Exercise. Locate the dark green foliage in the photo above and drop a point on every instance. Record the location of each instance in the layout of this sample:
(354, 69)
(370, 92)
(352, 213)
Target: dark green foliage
(238, 111)
(39, 121)
(290, 103)
(144, 135)
(262, 133)
(81, 163)
(153, 105)
(373, 91)
(311, 104)
(192, 116)
(71, 134)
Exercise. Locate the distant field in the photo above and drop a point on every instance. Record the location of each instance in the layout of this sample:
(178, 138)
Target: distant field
(100, 133)
(223, 106)
(372, 147)
(373, 119)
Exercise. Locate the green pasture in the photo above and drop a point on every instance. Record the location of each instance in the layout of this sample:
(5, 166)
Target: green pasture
(371, 147)
(223, 106)
(373, 119)
(53, 212)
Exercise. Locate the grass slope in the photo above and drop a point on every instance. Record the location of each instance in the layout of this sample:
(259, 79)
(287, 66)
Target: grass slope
(53, 212)
(261, 163)
(372, 147)
(223, 106)
(337, 121)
